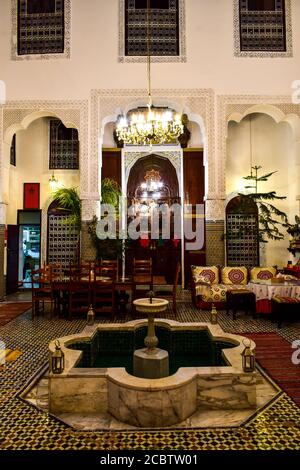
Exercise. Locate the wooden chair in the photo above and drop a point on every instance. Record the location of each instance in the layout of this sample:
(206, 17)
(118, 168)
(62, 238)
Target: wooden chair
(171, 295)
(142, 276)
(106, 270)
(79, 292)
(42, 291)
(103, 297)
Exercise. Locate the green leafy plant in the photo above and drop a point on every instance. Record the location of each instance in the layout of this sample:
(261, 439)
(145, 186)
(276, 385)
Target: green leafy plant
(68, 200)
(271, 219)
(108, 248)
(110, 192)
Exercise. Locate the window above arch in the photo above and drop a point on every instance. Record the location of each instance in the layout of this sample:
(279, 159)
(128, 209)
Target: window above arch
(167, 31)
(263, 28)
(64, 147)
(40, 29)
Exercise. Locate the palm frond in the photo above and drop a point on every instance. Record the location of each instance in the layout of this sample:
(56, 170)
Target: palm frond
(68, 200)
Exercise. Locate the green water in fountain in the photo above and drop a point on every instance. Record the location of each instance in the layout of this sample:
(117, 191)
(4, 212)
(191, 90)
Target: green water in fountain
(186, 348)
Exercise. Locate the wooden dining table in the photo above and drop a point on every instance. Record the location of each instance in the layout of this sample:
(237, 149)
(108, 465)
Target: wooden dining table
(123, 287)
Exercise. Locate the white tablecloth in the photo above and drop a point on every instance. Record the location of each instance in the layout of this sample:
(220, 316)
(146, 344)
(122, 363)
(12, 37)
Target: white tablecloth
(267, 291)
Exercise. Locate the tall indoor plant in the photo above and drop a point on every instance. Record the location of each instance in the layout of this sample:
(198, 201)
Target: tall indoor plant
(108, 248)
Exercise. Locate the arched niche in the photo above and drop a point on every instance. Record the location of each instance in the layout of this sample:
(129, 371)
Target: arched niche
(158, 163)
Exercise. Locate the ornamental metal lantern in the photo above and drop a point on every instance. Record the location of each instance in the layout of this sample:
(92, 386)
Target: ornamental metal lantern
(90, 316)
(248, 357)
(213, 315)
(57, 359)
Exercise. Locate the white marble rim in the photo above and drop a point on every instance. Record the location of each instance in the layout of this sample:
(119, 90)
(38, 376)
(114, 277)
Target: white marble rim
(183, 375)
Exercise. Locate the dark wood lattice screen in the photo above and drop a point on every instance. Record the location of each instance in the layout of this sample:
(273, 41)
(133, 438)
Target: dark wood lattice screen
(262, 25)
(164, 27)
(41, 27)
(13, 151)
(64, 147)
(62, 241)
(242, 243)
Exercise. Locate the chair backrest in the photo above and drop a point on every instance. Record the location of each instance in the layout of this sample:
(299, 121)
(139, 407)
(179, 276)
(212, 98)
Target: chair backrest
(110, 262)
(104, 271)
(56, 270)
(142, 266)
(40, 280)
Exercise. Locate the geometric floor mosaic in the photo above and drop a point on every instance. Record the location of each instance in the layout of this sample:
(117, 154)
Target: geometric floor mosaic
(24, 427)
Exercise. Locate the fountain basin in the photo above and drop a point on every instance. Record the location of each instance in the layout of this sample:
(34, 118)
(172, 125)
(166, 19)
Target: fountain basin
(150, 402)
(145, 306)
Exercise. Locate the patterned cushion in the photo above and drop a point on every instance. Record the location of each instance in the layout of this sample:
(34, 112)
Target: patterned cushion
(262, 273)
(216, 293)
(232, 276)
(209, 273)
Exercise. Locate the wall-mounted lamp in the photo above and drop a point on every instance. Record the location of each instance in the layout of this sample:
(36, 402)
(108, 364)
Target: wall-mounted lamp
(53, 183)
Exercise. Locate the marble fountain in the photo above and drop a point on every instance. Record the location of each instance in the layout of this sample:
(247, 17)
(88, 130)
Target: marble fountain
(204, 387)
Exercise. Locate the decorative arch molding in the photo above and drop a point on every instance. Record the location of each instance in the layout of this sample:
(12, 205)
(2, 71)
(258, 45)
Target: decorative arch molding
(275, 113)
(28, 119)
(199, 103)
(18, 115)
(173, 155)
(236, 107)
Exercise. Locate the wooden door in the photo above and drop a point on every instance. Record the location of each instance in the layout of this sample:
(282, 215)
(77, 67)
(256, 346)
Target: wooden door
(12, 259)
(194, 190)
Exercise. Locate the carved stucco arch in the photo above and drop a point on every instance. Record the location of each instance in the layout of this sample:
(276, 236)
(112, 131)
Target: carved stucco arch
(29, 119)
(275, 113)
(197, 103)
(18, 115)
(235, 108)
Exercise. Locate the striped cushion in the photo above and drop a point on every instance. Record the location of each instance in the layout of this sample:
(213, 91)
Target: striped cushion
(285, 300)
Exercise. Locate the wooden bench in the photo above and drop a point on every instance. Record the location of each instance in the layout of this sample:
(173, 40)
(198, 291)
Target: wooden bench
(283, 306)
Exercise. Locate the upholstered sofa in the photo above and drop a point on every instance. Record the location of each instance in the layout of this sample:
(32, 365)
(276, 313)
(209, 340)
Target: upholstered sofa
(209, 284)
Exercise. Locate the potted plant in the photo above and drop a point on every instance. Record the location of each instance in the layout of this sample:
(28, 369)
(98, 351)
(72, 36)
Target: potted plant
(108, 248)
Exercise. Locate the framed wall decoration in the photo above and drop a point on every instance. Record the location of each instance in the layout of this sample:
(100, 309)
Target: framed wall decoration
(31, 196)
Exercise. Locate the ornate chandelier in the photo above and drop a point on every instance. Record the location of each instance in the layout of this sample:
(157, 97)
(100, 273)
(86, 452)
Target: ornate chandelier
(149, 127)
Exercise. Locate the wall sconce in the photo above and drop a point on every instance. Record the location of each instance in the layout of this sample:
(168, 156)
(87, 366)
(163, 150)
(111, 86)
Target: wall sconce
(248, 357)
(57, 359)
(53, 183)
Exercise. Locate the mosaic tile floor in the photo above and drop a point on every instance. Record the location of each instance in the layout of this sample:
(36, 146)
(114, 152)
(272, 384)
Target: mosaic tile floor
(23, 427)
